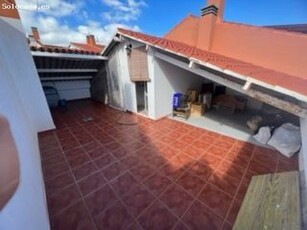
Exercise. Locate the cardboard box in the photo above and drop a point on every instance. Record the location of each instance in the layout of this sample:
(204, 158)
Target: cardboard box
(197, 109)
(193, 95)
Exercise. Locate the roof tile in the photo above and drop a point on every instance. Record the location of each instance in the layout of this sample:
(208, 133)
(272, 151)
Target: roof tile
(272, 77)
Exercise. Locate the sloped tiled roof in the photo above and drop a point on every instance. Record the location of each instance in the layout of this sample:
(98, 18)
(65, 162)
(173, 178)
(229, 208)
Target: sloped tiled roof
(87, 47)
(274, 78)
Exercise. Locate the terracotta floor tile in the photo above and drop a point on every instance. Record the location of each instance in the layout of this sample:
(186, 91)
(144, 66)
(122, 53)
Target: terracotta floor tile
(74, 152)
(51, 171)
(234, 210)
(91, 146)
(120, 153)
(225, 182)
(79, 160)
(100, 200)
(138, 200)
(75, 217)
(181, 226)
(157, 217)
(217, 200)
(157, 183)
(283, 166)
(114, 217)
(193, 152)
(112, 146)
(156, 161)
(242, 190)
(104, 161)
(262, 167)
(171, 170)
(177, 199)
(170, 163)
(217, 151)
(223, 144)
(123, 184)
(84, 170)
(130, 161)
(240, 158)
(199, 217)
(201, 144)
(46, 152)
(59, 183)
(91, 183)
(64, 199)
(190, 183)
(141, 171)
(58, 159)
(112, 171)
(227, 226)
(96, 153)
(203, 171)
(232, 169)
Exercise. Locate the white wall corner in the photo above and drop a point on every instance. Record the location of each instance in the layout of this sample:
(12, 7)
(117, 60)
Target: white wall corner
(303, 151)
(151, 84)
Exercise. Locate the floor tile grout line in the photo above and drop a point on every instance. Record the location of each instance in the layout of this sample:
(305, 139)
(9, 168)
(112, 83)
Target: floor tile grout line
(80, 193)
(235, 195)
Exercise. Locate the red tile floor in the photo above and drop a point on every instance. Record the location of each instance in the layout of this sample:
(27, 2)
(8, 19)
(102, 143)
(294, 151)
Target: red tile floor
(153, 175)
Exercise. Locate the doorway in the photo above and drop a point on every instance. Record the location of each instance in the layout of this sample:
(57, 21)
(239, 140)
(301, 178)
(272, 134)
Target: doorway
(141, 97)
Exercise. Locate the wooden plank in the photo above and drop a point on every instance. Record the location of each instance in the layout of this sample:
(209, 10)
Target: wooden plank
(271, 202)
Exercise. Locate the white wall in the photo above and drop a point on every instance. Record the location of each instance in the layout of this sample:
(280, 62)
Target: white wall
(115, 82)
(129, 90)
(303, 152)
(71, 90)
(151, 84)
(169, 79)
(23, 103)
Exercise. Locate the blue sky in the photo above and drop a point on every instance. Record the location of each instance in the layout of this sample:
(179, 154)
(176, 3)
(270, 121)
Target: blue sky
(69, 20)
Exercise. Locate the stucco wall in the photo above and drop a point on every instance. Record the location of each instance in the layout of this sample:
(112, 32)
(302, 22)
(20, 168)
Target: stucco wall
(24, 105)
(115, 82)
(170, 79)
(278, 50)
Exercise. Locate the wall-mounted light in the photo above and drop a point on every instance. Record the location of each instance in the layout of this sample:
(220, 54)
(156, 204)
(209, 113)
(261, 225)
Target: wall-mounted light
(128, 49)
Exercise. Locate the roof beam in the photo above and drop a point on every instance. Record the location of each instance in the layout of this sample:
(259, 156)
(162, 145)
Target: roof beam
(263, 97)
(247, 85)
(68, 56)
(65, 78)
(66, 70)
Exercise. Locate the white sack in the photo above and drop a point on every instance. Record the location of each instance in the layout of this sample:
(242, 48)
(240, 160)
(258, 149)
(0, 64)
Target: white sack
(286, 139)
(263, 135)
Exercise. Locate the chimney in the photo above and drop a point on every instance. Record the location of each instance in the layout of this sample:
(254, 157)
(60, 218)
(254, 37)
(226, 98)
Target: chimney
(35, 33)
(219, 4)
(90, 40)
(209, 16)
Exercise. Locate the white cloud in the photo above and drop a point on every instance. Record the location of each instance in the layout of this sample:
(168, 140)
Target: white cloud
(54, 29)
(123, 11)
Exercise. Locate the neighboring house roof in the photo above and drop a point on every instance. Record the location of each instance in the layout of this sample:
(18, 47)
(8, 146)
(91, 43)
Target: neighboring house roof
(91, 48)
(268, 76)
(298, 28)
(272, 48)
(64, 50)
(87, 47)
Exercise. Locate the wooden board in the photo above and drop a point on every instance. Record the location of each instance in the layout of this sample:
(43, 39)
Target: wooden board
(271, 202)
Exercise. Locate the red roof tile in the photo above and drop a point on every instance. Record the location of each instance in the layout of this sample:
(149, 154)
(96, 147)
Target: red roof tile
(265, 75)
(59, 49)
